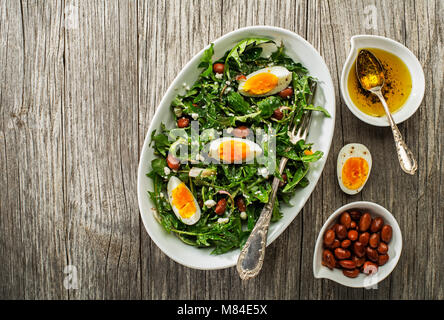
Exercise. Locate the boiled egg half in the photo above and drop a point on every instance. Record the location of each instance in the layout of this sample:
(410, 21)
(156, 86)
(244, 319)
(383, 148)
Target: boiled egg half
(265, 82)
(183, 202)
(234, 150)
(353, 168)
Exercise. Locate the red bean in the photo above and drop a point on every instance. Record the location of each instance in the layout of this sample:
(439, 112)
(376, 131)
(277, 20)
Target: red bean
(241, 132)
(382, 248)
(359, 249)
(377, 224)
(342, 254)
(345, 220)
(329, 237)
(355, 215)
(382, 259)
(278, 114)
(336, 244)
(364, 237)
(364, 222)
(351, 273)
(241, 204)
(172, 162)
(328, 259)
(345, 243)
(359, 261)
(183, 122)
(372, 254)
(283, 183)
(353, 235)
(374, 240)
(218, 67)
(341, 231)
(386, 233)
(347, 264)
(221, 206)
(286, 93)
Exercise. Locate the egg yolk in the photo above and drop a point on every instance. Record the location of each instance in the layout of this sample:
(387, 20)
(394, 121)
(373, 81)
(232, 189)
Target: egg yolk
(261, 83)
(183, 200)
(354, 173)
(232, 150)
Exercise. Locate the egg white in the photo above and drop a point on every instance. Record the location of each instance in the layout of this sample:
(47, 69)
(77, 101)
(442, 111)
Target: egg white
(283, 75)
(213, 152)
(268, 48)
(172, 184)
(349, 151)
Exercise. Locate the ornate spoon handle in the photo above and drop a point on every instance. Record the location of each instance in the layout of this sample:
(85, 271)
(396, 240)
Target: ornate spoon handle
(252, 255)
(405, 156)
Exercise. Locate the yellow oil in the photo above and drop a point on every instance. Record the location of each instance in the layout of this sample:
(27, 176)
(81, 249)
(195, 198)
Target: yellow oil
(396, 89)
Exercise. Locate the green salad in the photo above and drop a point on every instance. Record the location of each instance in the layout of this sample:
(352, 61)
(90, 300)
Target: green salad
(214, 168)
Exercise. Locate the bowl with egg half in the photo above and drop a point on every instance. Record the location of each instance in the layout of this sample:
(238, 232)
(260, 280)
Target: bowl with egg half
(404, 81)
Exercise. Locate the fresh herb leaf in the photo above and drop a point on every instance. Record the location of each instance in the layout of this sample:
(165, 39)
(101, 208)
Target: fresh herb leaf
(317, 108)
(237, 103)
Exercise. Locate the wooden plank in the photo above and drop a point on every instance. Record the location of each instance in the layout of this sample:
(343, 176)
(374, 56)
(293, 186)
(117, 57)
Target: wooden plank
(33, 246)
(101, 151)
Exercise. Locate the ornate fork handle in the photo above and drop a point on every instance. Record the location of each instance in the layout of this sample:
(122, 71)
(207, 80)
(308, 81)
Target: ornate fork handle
(252, 255)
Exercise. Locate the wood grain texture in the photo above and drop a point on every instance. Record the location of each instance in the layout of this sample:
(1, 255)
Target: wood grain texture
(79, 85)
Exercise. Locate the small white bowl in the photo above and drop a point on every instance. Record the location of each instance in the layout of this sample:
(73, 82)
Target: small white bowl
(410, 60)
(361, 281)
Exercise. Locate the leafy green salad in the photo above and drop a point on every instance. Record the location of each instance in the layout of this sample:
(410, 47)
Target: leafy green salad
(214, 168)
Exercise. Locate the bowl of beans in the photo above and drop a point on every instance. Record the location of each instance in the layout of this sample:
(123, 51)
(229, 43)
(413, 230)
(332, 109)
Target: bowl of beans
(358, 246)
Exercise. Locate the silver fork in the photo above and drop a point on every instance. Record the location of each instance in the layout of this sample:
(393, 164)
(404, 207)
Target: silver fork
(252, 254)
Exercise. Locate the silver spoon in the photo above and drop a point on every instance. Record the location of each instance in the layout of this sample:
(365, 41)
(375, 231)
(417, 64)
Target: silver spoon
(370, 74)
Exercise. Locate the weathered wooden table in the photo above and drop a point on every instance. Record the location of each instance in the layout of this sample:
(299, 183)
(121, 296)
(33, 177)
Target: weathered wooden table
(79, 84)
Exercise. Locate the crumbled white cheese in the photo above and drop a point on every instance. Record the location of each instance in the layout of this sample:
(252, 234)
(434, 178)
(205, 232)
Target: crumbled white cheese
(263, 172)
(161, 195)
(195, 116)
(219, 75)
(243, 215)
(229, 130)
(166, 170)
(223, 220)
(210, 203)
(227, 83)
(227, 90)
